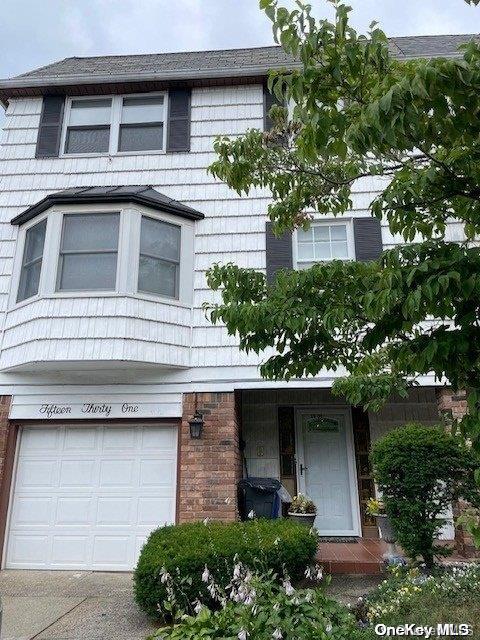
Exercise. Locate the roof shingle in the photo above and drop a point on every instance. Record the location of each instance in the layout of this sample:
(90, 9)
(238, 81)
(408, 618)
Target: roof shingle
(218, 63)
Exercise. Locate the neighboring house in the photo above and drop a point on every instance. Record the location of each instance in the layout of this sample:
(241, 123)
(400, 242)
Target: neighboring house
(109, 221)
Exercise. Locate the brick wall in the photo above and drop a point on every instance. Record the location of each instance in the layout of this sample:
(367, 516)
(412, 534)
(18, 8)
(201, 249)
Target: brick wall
(209, 468)
(4, 426)
(452, 404)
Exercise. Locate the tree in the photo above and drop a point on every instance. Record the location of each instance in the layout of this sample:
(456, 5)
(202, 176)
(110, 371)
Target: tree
(412, 128)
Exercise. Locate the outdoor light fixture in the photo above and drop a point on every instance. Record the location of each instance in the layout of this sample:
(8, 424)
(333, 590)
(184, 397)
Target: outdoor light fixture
(196, 425)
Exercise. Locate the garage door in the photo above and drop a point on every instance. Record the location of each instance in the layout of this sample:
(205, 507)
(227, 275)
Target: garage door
(87, 497)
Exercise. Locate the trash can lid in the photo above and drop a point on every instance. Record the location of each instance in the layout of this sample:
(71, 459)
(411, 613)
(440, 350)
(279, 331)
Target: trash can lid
(261, 484)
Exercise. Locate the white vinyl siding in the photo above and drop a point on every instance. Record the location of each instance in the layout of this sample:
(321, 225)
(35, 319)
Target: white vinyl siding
(233, 231)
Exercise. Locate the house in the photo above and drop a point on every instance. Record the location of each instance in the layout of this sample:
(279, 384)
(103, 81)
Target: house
(109, 221)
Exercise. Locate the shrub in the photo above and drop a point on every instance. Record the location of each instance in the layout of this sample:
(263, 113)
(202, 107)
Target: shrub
(260, 608)
(420, 471)
(183, 552)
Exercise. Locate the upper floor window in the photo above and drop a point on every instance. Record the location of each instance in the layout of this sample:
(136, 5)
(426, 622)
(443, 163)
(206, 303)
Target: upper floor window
(141, 124)
(159, 266)
(118, 124)
(88, 127)
(32, 261)
(323, 242)
(88, 252)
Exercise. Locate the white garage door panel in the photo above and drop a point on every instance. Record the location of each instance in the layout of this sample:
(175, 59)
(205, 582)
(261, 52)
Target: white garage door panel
(87, 497)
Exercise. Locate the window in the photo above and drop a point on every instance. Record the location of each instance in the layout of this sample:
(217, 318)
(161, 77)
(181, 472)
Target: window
(159, 263)
(32, 261)
(323, 242)
(141, 124)
(118, 124)
(88, 252)
(88, 129)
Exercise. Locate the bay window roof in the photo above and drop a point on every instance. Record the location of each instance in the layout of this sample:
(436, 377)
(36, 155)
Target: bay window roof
(138, 194)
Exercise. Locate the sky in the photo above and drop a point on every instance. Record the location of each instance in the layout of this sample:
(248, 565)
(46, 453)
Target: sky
(34, 33)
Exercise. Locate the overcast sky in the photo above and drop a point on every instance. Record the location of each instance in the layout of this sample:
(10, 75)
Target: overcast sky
(36, 32)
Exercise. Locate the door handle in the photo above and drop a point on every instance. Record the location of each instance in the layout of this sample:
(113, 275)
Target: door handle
(302, 469)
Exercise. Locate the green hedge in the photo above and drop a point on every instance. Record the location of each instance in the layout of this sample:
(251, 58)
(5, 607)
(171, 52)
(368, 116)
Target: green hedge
(185, 550)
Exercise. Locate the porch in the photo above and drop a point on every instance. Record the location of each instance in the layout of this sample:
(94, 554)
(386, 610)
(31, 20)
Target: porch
(318, 445)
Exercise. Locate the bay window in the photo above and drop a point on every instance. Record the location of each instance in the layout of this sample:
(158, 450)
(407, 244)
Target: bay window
(32, 261)
(159, 263)
(129, 250)
(88, 252)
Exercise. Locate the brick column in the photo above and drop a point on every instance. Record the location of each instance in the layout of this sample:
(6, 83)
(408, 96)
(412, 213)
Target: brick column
(210, 467)
(4, 431)
(453, 404)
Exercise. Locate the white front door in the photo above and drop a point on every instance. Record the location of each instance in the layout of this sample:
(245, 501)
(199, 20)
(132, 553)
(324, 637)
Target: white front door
(88, 497)
(326, 469)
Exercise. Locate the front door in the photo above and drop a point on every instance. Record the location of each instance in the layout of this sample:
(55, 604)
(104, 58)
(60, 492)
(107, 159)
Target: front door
(326, 469)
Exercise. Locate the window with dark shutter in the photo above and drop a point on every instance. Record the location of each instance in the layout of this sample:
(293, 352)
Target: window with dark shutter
(50, 128)
(368, 239)
(279, 251)
(178, 138)
(268, 101)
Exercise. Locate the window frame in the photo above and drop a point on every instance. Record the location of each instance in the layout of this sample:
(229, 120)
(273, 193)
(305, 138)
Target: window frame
(115, 122)
(327, 222)
(179, 263)
(18, 268)
(61, 253)
(128, 255)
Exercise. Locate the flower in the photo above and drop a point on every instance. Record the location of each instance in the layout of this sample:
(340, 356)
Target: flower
(205, 574)
(289, 590)
(242, 634)
(328, 628)
(251, 515)
(277, 634)
(198, 607)
(205, 522)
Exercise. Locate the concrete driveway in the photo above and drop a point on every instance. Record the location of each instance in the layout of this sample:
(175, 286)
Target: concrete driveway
(70, 605)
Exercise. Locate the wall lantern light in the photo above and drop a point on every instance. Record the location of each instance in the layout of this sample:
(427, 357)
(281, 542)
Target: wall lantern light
(196, 425)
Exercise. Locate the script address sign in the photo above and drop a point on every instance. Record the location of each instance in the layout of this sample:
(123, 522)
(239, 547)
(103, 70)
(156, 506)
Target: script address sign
(51, 410)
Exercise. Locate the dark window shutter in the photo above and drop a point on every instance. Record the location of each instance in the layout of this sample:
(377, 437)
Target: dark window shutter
(178, 135)
(279, 251)
(368, 238)
(50, 129)
(268, 101)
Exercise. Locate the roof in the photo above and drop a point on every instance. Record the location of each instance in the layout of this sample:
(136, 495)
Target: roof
(198, 66)
(100, 195)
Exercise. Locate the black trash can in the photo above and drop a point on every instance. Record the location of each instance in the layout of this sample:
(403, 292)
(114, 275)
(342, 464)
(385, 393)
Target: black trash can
(260, 496)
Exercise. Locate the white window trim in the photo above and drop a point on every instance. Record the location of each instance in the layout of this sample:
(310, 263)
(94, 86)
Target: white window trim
(326, 222)
(115, 117)
(128, 255)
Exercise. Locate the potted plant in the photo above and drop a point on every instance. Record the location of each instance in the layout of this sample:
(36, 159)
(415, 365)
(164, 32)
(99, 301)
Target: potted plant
(376, 508)
(303, 510)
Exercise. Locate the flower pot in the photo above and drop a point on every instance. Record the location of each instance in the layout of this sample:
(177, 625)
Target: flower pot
(385, 526)
(388, 535)
(307, 519)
